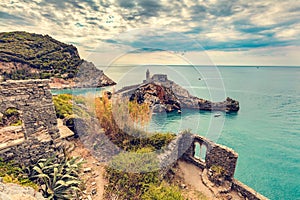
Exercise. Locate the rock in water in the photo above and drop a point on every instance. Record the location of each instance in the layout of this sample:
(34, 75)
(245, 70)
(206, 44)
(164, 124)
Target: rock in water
(159, 97)
(229, 105)
(175, 96)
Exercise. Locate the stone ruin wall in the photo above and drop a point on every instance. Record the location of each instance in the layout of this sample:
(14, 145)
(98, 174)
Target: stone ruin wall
(184, 147)
(33, 100)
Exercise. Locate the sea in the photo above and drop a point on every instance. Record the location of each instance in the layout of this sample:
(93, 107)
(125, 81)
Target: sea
(265, 132)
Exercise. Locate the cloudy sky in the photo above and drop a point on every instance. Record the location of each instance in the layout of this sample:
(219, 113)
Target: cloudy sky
(236, 32)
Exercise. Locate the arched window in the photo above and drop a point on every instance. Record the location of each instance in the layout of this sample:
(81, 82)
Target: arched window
(200, 151)
(11, 125)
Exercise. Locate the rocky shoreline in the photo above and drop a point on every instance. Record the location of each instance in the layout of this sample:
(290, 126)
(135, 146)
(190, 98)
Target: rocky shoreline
(165, 95)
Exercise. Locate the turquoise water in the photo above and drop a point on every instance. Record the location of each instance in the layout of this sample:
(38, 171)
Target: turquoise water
(265, 132)
(82, 91)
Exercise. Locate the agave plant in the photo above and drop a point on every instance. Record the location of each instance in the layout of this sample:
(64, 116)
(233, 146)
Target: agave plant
(59, 180)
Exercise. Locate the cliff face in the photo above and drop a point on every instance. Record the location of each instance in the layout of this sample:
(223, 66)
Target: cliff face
(89, 76)
(32, 56)
(159, 97)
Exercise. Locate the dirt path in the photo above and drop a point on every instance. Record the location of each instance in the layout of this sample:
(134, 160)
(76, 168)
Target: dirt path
(192, 176)
(93, 172)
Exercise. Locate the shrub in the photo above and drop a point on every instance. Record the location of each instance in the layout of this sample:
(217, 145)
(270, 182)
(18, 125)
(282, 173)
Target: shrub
(162, 192)
(11, 112)
(58, 179)
(11, 117)
(63, 105)
(12, 173)
(131, 174)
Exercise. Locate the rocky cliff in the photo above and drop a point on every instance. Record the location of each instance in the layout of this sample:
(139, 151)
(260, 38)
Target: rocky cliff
(160, 98)
(183, 98)
(32, 56)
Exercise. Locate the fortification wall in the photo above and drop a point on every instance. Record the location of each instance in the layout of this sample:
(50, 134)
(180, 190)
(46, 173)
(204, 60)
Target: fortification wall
(218, 165)
(33, 99)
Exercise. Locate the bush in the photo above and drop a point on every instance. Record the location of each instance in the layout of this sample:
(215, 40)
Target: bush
(11, 112)
(131, 174)
(162, 192)
(12, 173)
(63, 105)
(11, 117)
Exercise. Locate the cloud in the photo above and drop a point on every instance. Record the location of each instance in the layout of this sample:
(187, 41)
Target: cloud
(5, 15)
(216, 25)
(126, 3)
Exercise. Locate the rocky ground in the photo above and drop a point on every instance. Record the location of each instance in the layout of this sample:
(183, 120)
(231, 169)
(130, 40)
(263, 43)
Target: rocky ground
(194, 179)
(159, 97)
(93, 172)
(9, 191)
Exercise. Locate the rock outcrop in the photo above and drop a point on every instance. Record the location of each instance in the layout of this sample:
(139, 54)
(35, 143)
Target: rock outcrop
(183, 98)
(159, 97)
(229, 105)
(11, 191)
(90, 77)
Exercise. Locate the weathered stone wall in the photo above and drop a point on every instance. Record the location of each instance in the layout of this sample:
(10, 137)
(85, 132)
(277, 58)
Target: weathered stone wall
(216, 155)
(174, 151)
(222, 156)
(33, 99)
(31, 150)
(246, 191)
(219, 156)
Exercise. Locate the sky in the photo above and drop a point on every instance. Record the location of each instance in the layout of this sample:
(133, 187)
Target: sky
(218, 32)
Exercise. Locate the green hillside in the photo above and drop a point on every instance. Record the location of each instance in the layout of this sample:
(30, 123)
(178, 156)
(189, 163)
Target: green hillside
(27, 55)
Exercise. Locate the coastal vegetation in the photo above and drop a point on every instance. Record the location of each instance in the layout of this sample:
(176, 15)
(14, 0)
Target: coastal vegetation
(58, 179)
(55, 178)
(135, 173)
(40, 56)
(123, 124)
(66, 105)
(13, 173)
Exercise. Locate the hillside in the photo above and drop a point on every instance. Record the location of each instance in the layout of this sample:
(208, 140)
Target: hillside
(28, 55)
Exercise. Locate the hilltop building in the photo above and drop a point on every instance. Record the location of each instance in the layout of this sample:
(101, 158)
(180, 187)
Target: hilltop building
(155, 77)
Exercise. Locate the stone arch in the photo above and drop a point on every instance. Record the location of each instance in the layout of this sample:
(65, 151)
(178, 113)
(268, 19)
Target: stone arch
(33, 98)
(11, 124)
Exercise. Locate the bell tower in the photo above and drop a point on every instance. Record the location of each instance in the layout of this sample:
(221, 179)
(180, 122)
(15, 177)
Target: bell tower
(147, 75)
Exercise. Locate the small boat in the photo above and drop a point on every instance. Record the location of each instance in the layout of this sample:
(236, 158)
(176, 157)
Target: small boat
(217, 115)
(199, 79)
